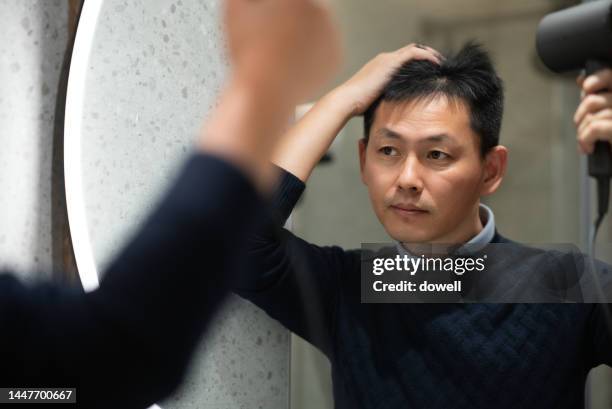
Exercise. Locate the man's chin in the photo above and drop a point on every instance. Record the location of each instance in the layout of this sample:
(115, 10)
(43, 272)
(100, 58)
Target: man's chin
(414, 237)
(417, 232)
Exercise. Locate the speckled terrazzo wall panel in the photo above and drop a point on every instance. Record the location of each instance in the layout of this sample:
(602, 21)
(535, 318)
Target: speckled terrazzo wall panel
(155, 71)
(242, 364)
(32, 44)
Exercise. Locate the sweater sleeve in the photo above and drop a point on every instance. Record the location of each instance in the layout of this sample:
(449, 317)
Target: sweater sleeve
(293, 281)
(127, 344)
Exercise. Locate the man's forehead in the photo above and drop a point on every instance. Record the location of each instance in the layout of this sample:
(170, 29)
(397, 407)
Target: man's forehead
(437, 119)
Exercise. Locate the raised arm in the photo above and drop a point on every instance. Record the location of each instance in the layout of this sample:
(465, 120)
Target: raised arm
(294, 281)
(305, 143)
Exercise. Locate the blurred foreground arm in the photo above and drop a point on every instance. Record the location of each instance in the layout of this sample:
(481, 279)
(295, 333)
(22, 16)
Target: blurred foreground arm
(282, 52)
(127, 344)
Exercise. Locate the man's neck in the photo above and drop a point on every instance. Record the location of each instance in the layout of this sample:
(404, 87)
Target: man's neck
(467, 230)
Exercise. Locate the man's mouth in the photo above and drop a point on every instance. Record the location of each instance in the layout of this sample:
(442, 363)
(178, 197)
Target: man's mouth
(408, 210)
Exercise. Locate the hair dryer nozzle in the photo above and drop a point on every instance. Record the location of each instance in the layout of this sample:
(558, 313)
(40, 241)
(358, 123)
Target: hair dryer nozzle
(566, 39)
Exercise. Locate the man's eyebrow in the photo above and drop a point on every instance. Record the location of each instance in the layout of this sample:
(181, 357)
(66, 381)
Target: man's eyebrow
(437, 138)
(388, 133)
(443, 137)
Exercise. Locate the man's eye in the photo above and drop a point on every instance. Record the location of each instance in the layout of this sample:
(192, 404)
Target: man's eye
(388, 151)
(437, 155)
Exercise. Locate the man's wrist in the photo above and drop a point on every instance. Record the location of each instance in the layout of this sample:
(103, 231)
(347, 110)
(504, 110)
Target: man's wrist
(343, 102)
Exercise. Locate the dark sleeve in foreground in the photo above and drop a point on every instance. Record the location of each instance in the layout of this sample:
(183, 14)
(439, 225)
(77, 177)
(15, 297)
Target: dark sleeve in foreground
(294, 281)
(127, 344)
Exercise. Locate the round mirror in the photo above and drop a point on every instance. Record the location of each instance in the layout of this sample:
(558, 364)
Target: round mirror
(144, 74)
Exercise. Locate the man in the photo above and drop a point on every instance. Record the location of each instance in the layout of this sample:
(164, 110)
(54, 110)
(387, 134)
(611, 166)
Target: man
(128, 343)
(430, 151)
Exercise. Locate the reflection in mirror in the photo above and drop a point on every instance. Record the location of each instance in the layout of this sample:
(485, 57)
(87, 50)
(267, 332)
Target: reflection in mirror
(143, 75)
(544, 178)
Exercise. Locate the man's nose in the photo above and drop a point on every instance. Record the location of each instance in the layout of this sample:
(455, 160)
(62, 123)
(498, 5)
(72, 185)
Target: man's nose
(410, 177)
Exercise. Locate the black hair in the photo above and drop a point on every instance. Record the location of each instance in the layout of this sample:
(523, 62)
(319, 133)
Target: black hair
(467, 77)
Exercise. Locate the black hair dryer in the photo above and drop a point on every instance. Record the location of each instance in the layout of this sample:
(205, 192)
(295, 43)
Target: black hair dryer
(580, 37)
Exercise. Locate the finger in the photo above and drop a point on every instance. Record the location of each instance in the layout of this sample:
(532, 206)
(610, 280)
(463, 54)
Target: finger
(601, 114)
(436, 52)
(591, 104)
(599, 81)
(579, 81)
(414, 46)
(583, 124)
(595, 131)
(416, 53)
(605, 114)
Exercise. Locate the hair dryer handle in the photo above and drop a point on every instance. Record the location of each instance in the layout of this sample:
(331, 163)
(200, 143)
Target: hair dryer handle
(600, 161)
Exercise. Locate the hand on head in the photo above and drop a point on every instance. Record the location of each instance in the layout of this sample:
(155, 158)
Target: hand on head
(363, 88)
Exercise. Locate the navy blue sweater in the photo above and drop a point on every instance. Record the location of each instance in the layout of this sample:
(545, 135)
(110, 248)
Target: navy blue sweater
(420, 355)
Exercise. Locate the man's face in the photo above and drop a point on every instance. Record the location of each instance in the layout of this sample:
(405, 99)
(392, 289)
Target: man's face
(424, 172)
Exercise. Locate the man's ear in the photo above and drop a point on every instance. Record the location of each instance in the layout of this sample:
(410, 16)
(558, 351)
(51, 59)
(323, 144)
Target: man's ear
(496, 161)
(363, 146)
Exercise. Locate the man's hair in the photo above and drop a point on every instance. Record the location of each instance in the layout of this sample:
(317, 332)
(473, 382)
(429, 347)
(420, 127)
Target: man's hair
(467, 77)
